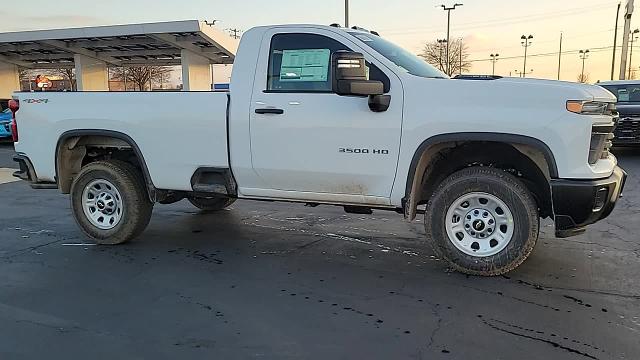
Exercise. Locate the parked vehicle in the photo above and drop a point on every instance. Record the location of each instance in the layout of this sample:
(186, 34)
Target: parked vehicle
(327, 115)
(628, 94)
(5, 124)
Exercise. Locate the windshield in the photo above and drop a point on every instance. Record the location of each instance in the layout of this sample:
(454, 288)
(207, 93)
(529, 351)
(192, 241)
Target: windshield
(405, 60)
(627, 93)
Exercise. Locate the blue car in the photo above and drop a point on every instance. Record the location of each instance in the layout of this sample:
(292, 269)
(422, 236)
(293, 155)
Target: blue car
(5, 124)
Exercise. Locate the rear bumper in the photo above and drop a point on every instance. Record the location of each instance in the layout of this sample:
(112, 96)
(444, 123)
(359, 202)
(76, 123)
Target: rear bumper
(579, 203)
(27, 173)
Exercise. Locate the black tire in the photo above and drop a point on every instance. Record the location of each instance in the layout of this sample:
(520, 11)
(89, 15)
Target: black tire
(212, 204)
(508, 189)
(136, 209)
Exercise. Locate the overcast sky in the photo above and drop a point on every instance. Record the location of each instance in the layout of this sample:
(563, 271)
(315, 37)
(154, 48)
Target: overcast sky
(488, 26)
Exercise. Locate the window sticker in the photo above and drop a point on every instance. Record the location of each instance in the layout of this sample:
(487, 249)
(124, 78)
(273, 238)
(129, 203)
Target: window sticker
(305, 65)
(623, 95)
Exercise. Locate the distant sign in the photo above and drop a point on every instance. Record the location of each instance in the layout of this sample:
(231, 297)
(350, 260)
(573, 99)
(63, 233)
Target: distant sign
(305, 65)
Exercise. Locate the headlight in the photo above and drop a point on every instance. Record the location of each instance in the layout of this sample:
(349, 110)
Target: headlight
(591, 107)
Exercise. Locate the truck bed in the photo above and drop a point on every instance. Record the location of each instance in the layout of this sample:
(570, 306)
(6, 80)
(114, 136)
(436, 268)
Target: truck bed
(177, 132)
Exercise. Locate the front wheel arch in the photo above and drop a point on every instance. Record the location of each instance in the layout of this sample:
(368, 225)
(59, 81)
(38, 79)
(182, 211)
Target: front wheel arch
(435, 151)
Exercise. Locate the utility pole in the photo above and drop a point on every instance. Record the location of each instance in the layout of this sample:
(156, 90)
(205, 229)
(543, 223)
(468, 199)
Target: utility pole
(211, 68)
(615, 42)
(461, 48)
(448, 10)
(632, 39)
(560, 56)
(346, 13)
(442, 43)
(584, 54)
(494, 60)
(124, 77)
(625, 39)
(526, 42)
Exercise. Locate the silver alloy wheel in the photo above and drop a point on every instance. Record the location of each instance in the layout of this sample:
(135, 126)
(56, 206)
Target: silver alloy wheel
(479, 224)
(102, 204)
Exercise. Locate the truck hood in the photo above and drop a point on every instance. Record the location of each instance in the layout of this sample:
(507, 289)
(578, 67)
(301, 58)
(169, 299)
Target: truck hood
(589, 92)
(503, 94)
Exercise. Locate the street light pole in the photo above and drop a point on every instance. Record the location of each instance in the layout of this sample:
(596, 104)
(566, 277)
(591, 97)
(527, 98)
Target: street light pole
(632, 39)
(346, 13)
(494, 60)
(461, 49)
(448, 10)
(526, 42)
(584, 54)
(443, 64)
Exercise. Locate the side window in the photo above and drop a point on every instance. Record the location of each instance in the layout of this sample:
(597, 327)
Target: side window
(302, 63)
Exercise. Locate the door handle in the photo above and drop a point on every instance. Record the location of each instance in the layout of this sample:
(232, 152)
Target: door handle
(273, 111)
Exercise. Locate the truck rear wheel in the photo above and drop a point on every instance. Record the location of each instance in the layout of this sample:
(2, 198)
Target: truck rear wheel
(482, 221)
(109, 202)
(212, 204)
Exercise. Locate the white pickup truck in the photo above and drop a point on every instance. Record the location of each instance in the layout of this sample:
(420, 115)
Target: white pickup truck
(328, 115)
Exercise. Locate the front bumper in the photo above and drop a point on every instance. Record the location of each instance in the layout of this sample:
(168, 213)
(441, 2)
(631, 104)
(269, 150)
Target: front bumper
(578, 203)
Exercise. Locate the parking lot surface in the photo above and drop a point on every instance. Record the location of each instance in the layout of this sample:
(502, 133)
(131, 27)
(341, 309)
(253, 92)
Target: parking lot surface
(285, 281)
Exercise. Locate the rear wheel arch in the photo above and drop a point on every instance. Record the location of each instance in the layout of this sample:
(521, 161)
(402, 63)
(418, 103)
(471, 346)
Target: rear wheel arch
(433, 160)
(71, 154)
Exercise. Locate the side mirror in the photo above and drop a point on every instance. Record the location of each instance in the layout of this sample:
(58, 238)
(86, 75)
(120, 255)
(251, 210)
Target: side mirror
(350, 75)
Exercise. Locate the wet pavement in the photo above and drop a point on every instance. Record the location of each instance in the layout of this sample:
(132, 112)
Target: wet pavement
(285, 281)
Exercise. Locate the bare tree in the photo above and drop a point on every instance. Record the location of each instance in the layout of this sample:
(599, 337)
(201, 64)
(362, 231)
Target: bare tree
(141, 76)
(435, 53)
(583, 78)
(69, 75)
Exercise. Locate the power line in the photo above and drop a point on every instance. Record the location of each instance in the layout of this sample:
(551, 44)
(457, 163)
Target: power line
(555, 53)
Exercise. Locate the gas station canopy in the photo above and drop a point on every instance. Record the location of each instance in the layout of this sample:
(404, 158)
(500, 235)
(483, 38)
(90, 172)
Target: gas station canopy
(92, 50)
(119, 45)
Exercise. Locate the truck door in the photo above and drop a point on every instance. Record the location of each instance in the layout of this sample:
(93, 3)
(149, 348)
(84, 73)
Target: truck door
(307, 139)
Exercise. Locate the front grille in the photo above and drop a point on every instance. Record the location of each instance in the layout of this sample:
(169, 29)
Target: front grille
(601, 142)
(628, 131)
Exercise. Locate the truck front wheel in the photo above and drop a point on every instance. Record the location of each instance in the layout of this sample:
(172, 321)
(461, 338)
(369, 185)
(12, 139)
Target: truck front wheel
(109, 202)
(482, 221)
